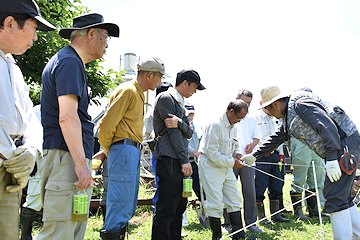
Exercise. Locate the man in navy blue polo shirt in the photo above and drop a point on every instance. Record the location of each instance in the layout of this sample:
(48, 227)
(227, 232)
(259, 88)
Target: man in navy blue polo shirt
(68, 130)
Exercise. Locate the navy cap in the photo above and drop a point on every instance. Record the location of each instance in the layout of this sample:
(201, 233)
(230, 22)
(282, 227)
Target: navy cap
(190, 108)
(28, 8)
(190, 76)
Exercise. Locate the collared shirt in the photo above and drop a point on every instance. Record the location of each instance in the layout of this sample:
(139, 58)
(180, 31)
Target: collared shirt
(247, 130)
(16, 113)
(194, 142)
(220, 143)
(125, 115)
(176, 95)
(267, 126)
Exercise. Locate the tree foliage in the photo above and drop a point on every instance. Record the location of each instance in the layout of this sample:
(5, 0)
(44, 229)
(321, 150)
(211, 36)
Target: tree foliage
(61, 13)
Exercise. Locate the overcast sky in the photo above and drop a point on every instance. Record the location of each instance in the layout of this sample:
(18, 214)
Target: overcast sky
(244, 44)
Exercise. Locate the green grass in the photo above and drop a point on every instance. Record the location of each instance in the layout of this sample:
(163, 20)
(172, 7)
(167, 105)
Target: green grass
(141, 223)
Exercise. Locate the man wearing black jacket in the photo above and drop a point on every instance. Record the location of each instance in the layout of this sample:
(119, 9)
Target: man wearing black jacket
(172, 125)
(331, 134)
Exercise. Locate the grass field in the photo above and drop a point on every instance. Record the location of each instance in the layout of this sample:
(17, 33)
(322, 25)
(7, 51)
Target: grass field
(140, 227)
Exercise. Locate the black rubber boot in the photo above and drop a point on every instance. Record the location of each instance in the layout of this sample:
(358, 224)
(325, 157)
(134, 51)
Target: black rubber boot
(298, 213)
(261, 213)
(215, 225)
(113, 235)
(312, 205)
(274, 207)
(27, 216)
(236, 224)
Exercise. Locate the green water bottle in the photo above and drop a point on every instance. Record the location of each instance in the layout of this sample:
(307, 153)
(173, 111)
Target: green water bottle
(187, 187)
(80, 206)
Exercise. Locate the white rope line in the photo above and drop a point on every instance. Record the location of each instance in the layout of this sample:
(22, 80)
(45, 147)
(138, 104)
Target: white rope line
(280, 210)
(286, 164)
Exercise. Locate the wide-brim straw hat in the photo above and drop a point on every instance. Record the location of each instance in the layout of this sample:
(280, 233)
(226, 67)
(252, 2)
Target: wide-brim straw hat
(271, 94)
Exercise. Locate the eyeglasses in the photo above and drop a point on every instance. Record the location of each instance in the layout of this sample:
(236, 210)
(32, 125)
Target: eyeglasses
(238, 118)
(160, 75)
(107, 39)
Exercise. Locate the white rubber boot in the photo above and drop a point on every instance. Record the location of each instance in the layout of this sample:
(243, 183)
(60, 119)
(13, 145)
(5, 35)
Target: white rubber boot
(185, 222)
(355, 220)
(341, 225)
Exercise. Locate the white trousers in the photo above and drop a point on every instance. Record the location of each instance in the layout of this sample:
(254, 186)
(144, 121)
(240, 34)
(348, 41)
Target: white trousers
(220, 186)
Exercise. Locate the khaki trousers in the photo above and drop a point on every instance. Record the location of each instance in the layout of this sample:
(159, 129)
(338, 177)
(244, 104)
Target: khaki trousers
(9, 208)
(57, 173)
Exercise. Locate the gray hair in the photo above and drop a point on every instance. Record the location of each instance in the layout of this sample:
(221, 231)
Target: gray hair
(244, 92)
(80, 32)
(238, 105)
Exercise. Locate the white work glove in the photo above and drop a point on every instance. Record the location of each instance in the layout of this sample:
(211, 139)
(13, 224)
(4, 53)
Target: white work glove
(19, 184)
(249, 159)
(22, 163)
(333, 170)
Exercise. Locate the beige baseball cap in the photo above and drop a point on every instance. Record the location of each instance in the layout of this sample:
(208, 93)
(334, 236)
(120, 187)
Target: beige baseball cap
(153, 65)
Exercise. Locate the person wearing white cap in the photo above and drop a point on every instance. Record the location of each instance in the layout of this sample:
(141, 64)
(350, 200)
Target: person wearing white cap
(68, 128)
(20, 130)
(330, 133)
(121, 134)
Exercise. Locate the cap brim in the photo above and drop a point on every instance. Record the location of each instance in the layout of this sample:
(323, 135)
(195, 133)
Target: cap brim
(167, 75)
(113, 29)
(200, 86)
(44, 25)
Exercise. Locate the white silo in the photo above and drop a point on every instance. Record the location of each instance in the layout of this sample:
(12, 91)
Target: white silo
(130, 62)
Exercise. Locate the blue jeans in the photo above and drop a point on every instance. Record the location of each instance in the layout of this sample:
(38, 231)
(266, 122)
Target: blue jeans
(263, 181)
(156, 195)
(123, 187)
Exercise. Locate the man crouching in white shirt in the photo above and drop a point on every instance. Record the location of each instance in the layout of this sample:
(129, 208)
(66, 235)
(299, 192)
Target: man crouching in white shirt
(219, 153)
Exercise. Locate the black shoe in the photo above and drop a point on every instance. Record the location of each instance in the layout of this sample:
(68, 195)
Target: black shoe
(312, 205)
(261, 213)
(112, 235)
(236, 224)
(215, 225)
(274, 207)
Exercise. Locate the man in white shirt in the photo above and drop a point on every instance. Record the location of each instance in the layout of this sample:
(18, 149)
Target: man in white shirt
(20, 130)
(249, 135)
(219, 154)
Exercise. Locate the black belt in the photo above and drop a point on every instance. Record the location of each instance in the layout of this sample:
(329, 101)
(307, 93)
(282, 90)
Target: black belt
(128, 141)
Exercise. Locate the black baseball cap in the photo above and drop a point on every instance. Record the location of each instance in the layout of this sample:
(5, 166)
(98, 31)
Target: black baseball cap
(27, 8)
(190, 76)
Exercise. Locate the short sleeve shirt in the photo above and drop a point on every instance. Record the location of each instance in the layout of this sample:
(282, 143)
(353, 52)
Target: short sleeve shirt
(248, 129)
(64, 74)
